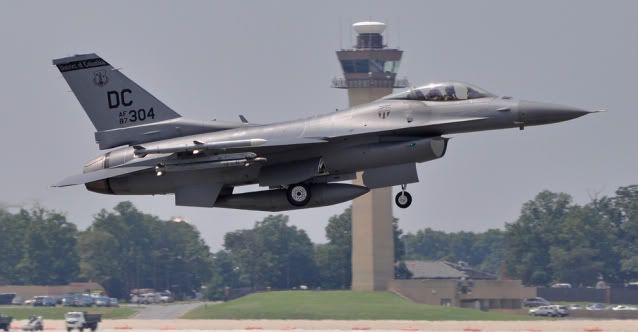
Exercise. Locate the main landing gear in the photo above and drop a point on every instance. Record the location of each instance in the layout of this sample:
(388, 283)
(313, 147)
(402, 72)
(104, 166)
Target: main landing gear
(298, 194)
(403, 199)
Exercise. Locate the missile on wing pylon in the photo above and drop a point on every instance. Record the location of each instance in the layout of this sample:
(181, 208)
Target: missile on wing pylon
(197, 146)
(323, 194)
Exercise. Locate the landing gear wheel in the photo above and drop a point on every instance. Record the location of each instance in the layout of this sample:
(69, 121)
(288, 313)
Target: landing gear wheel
(403, 199)
(298, 194)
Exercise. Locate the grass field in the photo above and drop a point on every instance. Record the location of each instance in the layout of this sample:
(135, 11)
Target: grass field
(337, 305)
(58, 312)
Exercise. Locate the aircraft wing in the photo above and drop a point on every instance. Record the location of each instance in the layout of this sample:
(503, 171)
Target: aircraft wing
(162, 153)
(99, 175)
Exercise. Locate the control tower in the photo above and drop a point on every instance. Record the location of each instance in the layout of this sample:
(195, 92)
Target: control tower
(370, 71)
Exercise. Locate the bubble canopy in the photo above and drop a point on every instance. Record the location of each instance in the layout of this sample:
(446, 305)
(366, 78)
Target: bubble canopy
(444, 91)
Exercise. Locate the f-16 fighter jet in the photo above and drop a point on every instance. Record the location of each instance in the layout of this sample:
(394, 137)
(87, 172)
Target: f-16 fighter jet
(300, 162)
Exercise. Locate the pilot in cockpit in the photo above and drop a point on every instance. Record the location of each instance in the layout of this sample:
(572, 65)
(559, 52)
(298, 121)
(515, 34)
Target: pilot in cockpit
(434, 94)
(450, 94)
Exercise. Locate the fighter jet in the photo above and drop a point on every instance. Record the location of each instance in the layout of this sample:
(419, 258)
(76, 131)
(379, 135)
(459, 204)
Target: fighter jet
(300, 163)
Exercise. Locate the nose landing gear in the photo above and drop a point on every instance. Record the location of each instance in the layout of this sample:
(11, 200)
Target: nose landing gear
(403, 199)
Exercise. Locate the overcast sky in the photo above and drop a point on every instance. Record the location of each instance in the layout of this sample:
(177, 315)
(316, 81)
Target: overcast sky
(273, 61)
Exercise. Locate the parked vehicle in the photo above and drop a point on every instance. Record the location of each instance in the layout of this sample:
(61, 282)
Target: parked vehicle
(575, 306)
(35, 323)
(561, 310)
(83, 300)
(114, 302)
(18, 300)
(80, 320)
(624, 307)
(561, 285)
(535, 302)
(166, 297)
(147, 298)
(546, 310)
(597, 306)
(633, 284)
(5, 322)
(102, 301)
(43, 301)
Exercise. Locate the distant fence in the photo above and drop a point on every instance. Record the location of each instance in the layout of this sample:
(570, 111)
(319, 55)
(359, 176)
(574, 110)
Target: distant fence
(624, 295)
(610, 295)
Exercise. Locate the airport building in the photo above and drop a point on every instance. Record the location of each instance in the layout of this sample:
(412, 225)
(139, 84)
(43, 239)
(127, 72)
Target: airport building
(456, 284)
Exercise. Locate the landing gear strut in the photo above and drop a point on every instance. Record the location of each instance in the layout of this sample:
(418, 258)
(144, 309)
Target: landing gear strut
(298, 194)
(403, 199)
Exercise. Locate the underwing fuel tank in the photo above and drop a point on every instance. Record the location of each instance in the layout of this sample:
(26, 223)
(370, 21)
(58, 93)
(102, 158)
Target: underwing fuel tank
(322, 194)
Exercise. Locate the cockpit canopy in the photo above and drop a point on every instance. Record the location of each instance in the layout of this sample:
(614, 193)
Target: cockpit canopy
(447, 91)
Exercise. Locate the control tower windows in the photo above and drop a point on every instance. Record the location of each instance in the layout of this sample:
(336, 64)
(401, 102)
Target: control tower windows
(370, 66)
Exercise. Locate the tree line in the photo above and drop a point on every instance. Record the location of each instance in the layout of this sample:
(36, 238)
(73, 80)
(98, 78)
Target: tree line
(122, 250)
(553, 240)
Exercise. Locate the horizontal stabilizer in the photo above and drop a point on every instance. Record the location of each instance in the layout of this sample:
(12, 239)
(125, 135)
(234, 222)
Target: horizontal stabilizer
(98, 175)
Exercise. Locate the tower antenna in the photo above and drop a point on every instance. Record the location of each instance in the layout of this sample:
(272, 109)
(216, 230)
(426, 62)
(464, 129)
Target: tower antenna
(340, 34)
(399, 32)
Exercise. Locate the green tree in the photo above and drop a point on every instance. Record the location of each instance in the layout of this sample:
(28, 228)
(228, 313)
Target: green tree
(12, 230)
(49, 255)
(273, 254)
(335, 257)
(622, 212)
(401, 271)
(127, 249)
(483, 251)
(528, 240)
(427, 244)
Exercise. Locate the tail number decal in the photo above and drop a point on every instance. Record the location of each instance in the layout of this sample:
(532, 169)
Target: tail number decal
(136, 115)
(123, 98)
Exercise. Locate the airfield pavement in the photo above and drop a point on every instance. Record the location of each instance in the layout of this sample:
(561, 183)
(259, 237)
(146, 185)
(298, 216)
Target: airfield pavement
(569, 325)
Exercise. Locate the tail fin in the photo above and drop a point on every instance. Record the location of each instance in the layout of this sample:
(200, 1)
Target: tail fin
(109, 98)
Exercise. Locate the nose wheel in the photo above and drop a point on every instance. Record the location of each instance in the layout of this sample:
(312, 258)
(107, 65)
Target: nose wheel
(403, 199)
(298, 194)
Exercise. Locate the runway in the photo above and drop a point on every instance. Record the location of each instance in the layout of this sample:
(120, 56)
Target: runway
(367, 325)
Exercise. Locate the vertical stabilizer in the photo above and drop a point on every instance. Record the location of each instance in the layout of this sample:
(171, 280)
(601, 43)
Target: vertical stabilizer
(109, 98)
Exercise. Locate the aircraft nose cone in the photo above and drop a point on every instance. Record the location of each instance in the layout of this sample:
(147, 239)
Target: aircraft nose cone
(534, 113)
